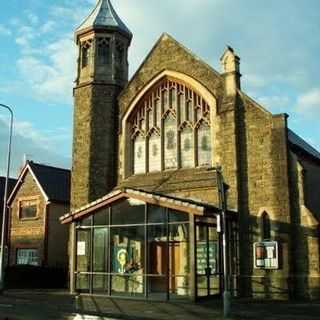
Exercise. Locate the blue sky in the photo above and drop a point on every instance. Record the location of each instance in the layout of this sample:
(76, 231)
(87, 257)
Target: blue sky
(278, 42)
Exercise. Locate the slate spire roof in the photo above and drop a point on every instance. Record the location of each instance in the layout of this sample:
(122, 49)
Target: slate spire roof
(104, 16)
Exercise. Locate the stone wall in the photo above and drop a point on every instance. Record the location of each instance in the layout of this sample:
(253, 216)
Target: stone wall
(95, 143)
(263, 187)
(305, 213)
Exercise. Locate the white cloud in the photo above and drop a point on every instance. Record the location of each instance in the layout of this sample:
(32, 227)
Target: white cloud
(50, 76)
(309, 103)
(275, 103)
(5, 31)
(38, 145)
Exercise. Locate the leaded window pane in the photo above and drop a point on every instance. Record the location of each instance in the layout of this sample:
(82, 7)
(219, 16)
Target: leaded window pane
(154, 153)
(170, 143)
(157, 112)
(187, 148)
(139, 155)
(163, 114)
(204, 146)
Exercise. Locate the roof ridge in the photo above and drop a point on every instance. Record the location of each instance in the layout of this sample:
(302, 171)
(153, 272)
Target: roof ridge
(48, 166)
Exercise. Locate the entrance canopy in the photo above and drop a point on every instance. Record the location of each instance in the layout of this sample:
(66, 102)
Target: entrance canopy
(182, 204)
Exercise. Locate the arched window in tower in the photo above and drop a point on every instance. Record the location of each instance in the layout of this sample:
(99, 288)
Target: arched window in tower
(265, 226)
(175, 120)
(85, 53)
(103, 48)
(119, 59)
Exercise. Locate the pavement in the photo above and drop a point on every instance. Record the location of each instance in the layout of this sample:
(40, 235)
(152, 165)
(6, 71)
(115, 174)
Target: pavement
(59, 305)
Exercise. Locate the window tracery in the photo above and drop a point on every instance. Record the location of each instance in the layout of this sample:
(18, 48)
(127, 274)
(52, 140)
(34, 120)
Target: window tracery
(103, 48)
(170, 129)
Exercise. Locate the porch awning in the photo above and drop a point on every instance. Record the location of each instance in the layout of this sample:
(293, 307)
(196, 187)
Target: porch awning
(171, 202)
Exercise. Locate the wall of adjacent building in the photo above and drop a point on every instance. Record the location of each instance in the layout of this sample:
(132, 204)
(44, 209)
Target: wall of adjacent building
(305, 182)
(57, 236)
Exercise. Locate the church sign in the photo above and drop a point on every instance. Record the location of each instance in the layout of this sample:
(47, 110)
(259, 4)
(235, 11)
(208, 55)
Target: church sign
(266, 255)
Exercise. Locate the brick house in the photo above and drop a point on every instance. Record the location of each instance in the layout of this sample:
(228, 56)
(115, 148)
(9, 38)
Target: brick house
(145, 217)
(40, 196)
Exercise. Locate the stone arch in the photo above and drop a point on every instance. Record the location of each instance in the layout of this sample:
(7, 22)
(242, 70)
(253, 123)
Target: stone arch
(189, 82)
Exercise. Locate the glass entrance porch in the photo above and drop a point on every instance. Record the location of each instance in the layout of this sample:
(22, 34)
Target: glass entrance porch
(139, 250)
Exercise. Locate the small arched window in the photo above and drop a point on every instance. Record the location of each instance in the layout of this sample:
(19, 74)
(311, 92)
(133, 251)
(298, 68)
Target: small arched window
(265, 226)
(103, 49)
(176, 124)
(85, 53)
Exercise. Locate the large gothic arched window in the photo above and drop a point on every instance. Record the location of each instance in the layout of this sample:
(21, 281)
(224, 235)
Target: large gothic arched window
(170, 129)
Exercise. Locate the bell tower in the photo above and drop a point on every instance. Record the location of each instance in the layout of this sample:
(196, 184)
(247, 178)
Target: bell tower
(102, 72)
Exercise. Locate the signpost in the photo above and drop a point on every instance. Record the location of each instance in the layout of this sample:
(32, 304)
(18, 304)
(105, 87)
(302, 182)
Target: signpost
(266, 255)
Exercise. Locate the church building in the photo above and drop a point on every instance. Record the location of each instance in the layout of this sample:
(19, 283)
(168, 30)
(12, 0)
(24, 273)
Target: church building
(154, 158)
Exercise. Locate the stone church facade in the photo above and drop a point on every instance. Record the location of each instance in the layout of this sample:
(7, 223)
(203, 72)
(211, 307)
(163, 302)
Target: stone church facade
(147, 145)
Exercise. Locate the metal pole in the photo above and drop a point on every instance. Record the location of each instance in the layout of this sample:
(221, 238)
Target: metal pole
(223, 208)
(4, 216)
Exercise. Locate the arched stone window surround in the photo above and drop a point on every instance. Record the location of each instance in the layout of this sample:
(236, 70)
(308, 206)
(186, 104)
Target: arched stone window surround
(265, 225)
(191, 83)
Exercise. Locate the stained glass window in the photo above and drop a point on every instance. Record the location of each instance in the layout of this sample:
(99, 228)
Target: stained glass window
(187, 148)
(204, 145)
(170, 143)
(154, 153)
(139, 155)
(169, 113)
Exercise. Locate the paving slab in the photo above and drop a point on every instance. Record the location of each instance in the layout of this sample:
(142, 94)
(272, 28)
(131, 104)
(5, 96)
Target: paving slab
(59, 305)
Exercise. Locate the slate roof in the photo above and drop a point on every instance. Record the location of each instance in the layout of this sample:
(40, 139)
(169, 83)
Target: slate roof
(104, 16)
(55, 182)
(298, 142)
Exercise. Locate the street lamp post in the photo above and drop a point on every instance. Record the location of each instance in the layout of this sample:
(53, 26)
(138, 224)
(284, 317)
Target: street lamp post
(223, 227)
(5, 198)
(223, 208)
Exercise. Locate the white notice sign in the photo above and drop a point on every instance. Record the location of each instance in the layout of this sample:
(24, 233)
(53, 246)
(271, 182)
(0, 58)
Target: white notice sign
(81, 248)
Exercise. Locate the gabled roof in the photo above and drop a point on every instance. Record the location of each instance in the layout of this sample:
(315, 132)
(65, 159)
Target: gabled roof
(182, 204)
(53, 182)
(298, 142)
(104, 16)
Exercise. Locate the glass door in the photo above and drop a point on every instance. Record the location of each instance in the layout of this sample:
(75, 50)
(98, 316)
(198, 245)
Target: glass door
(207, 261)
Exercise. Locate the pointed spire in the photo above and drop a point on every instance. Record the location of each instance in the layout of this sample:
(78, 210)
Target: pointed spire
(104, 16)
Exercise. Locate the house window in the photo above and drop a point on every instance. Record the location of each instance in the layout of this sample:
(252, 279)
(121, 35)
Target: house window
(173, 122)
(27, 257)
(28, 209)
